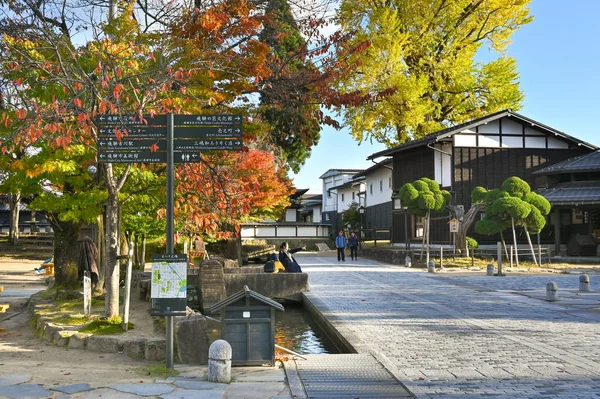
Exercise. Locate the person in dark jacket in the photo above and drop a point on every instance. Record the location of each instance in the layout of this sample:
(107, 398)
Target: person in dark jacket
(340, 244)
(353, 245)
(286, 258)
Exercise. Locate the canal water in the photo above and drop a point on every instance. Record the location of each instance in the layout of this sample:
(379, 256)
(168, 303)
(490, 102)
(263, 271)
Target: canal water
(295, 329)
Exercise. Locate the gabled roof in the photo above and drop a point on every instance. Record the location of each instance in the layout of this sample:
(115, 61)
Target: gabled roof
(582, 163)
(246, 292)
(383, 164)
(449, 132)
(345, 185)
(573, 193)
(335, 172)
(299, 192)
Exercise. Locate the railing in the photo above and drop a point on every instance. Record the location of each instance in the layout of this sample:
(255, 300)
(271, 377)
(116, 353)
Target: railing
(377, 234)
(542, 254)
(284, 230)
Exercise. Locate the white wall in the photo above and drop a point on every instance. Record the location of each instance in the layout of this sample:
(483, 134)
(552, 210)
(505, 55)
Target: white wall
(443, 164)
(290, 215)
(316, 213)
(329, 203)
(347, 194)
(378, 196)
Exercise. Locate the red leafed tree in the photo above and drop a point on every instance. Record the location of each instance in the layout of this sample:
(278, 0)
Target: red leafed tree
(227, 189)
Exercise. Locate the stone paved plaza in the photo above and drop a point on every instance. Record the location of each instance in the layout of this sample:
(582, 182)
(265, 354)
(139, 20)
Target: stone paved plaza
(447, 336)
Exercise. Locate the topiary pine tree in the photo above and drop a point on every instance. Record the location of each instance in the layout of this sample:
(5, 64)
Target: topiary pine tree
(420, 198)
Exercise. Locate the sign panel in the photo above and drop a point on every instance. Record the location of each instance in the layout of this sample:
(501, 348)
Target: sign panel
(208, 120)
(208, 145)
(133, 132)
(454, 224)
(133, 157)
(202, 132)
(116, 120)
(169, 285)
(127, 144)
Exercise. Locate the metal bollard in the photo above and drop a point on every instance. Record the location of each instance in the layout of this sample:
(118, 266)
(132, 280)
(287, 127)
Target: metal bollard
(551, 291)
(407, 261)
(490, 269)
(431, 267)
(219, 362)
(584, 282)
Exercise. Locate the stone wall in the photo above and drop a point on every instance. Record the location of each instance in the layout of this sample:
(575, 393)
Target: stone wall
(271, 285)
(391, 256)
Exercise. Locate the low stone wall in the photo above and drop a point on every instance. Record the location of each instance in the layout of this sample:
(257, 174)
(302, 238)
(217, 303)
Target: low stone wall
(391, 256)
(271, 285)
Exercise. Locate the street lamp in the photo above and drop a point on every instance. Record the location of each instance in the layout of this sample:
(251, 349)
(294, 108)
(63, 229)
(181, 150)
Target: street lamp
(397, 206)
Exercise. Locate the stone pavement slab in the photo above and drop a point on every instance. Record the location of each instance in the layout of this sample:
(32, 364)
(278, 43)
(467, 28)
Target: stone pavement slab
(24, 391)
(143, 389)
(75, 388)
(13, 379)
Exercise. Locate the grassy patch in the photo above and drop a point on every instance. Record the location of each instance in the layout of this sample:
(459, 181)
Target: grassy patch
(158, 371)
(72, 320)
(104, 326)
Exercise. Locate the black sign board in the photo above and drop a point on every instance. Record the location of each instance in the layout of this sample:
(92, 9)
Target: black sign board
(127, 144)
(208, 145)
(204, 132)
(132, 157)
(133, 132)
(169, 284)
(122, 120)
(208, 120)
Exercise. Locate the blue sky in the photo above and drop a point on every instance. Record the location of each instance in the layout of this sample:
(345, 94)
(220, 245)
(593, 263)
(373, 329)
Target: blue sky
(558, 55)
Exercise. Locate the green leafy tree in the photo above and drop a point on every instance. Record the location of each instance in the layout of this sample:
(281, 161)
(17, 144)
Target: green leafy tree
(421, 197)
(514, 205)
(352, 216)
(424, 52)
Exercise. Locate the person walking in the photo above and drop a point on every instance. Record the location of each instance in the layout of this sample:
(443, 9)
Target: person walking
(353, 245)
(340, 244)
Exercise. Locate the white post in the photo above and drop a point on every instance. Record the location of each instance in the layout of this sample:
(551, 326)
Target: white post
(511, 257)
(499, 254)
(127, 288)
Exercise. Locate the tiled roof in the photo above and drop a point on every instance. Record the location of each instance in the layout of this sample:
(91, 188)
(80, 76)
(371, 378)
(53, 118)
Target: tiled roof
(449, 132)
(378, 165)
(573, 193)
(582, 163)
(333, 172)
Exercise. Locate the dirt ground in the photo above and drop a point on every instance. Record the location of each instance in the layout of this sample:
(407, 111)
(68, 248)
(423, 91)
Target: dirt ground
(22, 353)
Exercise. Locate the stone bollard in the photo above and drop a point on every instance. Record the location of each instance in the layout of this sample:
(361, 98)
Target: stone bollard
(584, 282)
(551, 291)
(407, 261)
(431, 267)
(490, 269)
(219, 362)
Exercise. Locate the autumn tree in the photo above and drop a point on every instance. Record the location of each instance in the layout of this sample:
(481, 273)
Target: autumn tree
(426, 52)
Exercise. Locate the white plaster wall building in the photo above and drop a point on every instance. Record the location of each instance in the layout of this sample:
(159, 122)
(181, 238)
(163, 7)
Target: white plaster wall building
(339, 188)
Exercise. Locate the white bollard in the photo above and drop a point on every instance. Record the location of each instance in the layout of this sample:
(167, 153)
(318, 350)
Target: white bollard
(490, 269)
(431, 267)
(551, 291)
(584, 282)
(407, 261)
(219, 362)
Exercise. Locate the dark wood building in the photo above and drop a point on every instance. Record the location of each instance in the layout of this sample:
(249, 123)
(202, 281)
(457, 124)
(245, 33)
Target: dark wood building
(483, 152)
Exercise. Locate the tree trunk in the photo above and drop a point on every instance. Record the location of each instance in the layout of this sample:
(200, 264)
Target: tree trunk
(101, 261)
(143, 251)
(15, 204)
(530, 244)
(428, 225)
(66, 250)
(504, 245)
(512, 221)
(467, 221)
(423, 240)
(111, 284)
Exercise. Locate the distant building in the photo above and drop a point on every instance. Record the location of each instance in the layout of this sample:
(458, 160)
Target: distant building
(339, 192)
(376, 197)
(482, 152)
(29, 221)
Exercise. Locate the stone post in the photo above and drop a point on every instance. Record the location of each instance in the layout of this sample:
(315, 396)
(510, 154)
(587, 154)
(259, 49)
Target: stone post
(431, 267)
(584, 282)
(407, 261)
(551, 291)
(490, 269)
(219, 362)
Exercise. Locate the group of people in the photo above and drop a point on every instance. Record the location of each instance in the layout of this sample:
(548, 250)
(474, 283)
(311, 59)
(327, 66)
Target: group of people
(341, 243)
(285, 261)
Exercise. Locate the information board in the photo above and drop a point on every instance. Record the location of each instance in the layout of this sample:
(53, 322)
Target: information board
(169, 284)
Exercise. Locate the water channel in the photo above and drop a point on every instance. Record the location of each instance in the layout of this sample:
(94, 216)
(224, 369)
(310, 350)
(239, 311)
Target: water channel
(295, 329)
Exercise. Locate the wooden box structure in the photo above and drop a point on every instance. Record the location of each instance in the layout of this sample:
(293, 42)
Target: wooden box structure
(248, 324)
(581, 245)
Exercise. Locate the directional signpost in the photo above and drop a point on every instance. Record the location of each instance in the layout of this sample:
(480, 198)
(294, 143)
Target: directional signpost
(167, 139)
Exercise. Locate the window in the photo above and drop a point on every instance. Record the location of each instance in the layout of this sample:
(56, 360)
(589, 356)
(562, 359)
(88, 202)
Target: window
(371, 188)
(390, 182)
(381, 186)
(327, 217)
(342, 197)
(353, 195)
